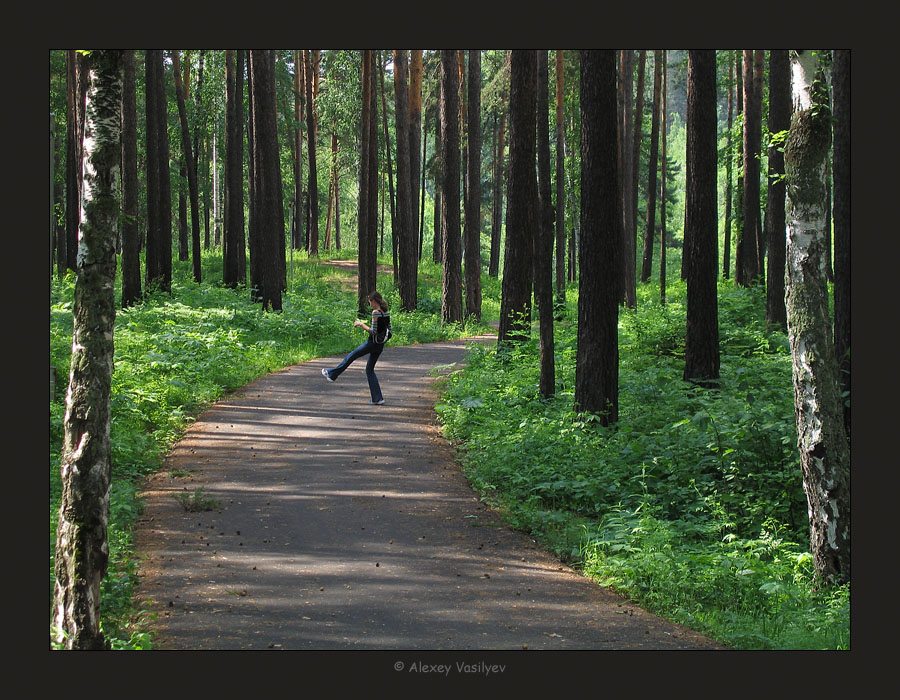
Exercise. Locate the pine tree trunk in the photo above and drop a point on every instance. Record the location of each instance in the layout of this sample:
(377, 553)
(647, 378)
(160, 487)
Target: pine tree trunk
(437, 244)
(841, 83)
(497, 199)
(473, 199)
(191, 168)
(650, 232)
(662, 188)
(597, 354)
(779, 120)
(82, 548)
(627, 164)
(415, 138)
(451, 291)
(269, 211)
(701, 352)
(637, 138)
(560, 186)
(543, 240)
(234, 242)
(131, 242)
(311, 129)
(729, 159)
(297, 240)
(406, 238)
(822, 441)
(521, 217)
(363, 276)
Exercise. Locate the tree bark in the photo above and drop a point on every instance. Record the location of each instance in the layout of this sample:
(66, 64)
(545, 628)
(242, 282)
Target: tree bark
(822, 441)
(415, 137)
(473, 196)
(368, 185)
(841, 175)
(543, 240)
(131, 242)
(407, 257)
(159, 196)
(779, 120)
(560, 185)
(597, 354)
(451, 291)
(191, 167)
(521, 217)
(701, 354)
(235, 247)
(637, 135)
(82, 548)
(627, 164)
(297, 239)
(650, 232)
(497, 198)
(749, 270)
(269, 210)
(311, 129)
(662, 187)
(729, 159)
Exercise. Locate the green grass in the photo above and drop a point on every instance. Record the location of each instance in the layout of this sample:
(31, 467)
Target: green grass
(177, 353)
(692, 505)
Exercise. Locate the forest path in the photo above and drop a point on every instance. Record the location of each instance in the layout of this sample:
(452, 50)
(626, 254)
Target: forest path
(344, 525)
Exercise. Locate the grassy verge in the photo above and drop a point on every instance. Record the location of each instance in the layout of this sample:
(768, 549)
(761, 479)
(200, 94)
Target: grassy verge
(693, 505)
(177, 353)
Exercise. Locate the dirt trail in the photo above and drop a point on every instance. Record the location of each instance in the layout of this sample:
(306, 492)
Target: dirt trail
(344, 525)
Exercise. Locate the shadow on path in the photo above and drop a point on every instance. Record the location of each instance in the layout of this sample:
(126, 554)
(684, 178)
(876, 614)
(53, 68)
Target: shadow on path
(344, 525)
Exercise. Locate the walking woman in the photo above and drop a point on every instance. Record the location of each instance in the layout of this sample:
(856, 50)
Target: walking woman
(379, 332)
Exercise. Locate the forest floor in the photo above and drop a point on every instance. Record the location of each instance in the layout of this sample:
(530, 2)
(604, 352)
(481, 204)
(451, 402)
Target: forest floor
(336, 524)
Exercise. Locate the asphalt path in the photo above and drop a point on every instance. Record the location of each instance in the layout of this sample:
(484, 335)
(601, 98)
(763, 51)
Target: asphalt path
(343, 525)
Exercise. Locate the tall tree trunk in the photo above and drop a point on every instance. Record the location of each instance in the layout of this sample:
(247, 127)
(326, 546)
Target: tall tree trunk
(390, 171)
(311, 132)
(438, 252)
(627, 165)
(841, 83)
(597, 354)
(779, 120)
(297, 240)
(451, 291)
(76, 89)
(822, 440)
(560, 185)
(332, 183)
(406, 238)
(235, 247)
(497, 198)
(415, 137)
(650, 232)
(701, 351)
(159, 197)
(253, 241)
(269, 211)
(543, 240)
(521, 217)
(131, 242)
(82, 548)
(749, 269)
(183, 245)
(190, 166)
(637, 136)
(729, 160)
(662, 187)
(473, 198)
(368, 204)
(759, 59)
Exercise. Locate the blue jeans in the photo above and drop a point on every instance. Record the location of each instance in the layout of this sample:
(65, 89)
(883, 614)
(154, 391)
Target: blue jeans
(373, 350)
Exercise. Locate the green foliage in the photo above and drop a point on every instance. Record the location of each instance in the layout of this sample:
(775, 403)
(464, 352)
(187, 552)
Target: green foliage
(692, 504)
(197, 501)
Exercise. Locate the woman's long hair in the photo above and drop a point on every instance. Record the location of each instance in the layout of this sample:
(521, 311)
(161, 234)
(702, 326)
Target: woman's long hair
(378, 299)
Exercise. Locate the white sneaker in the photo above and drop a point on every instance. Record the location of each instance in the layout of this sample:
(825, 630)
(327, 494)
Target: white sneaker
(326, 375)
(376, 403)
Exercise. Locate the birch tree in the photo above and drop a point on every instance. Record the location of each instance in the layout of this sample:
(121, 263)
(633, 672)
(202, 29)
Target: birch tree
(822, 440)
(82, 549)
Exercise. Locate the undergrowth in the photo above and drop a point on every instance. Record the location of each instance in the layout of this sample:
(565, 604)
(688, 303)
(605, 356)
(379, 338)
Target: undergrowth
(692, 505)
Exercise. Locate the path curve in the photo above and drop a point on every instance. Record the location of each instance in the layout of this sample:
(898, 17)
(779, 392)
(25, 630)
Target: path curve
(344, 525)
